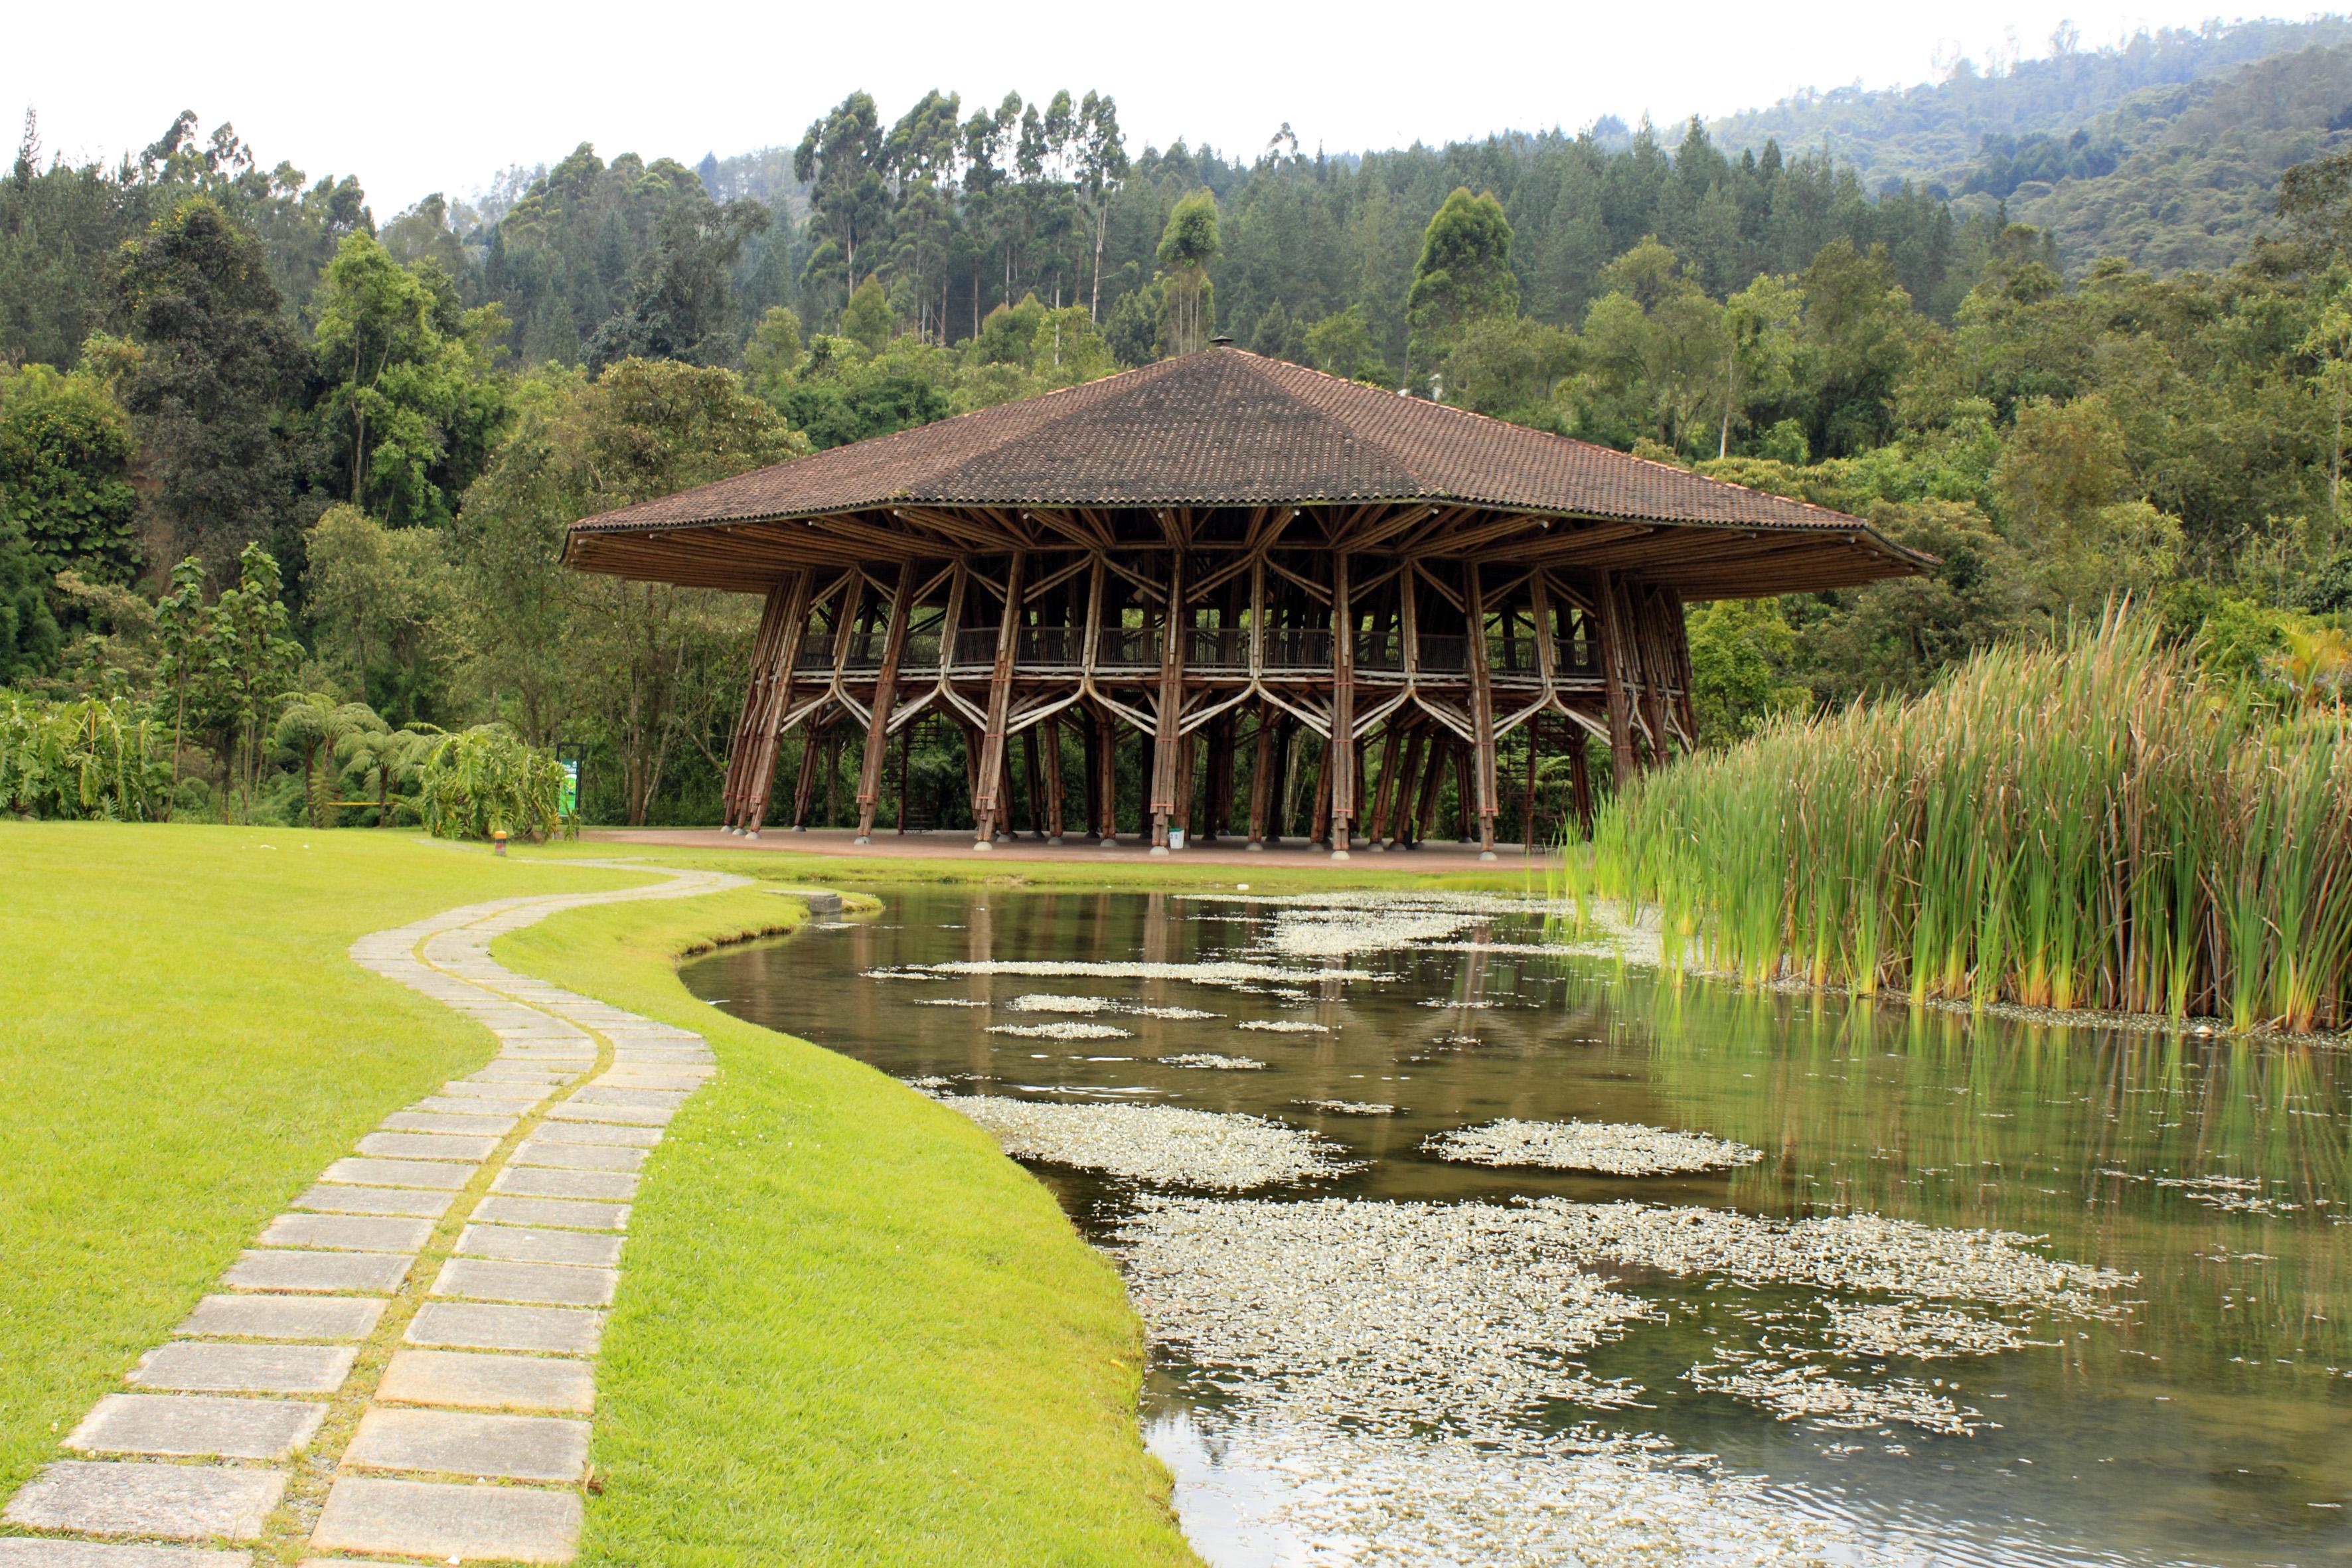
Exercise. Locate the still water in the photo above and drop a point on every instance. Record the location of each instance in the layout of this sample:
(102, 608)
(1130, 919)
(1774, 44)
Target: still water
(2204, 1418)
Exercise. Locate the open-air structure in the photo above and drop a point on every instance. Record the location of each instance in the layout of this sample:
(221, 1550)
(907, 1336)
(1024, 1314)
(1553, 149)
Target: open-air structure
(1218, 553)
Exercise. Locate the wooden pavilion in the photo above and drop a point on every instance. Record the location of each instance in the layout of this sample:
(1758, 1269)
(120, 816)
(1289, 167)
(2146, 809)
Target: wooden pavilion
(1219, 552)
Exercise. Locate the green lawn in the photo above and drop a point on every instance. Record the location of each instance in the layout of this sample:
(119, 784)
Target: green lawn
(850, 1330)
(184, 1047)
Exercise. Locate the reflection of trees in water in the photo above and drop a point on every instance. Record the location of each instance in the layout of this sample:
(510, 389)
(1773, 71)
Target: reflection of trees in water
(2065, 1132)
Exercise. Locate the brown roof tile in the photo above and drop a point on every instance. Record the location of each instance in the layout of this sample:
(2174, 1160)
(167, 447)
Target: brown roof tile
(1226, 427)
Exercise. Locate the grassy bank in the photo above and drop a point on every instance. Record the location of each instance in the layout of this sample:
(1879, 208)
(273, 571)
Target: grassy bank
(850, 1330)
(2090, 825)
(184, 1047)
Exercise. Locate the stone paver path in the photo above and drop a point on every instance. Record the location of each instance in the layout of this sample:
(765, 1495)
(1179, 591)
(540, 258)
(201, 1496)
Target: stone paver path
(400, 1366)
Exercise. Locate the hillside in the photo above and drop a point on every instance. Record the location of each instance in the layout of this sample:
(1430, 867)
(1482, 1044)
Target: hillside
(2166, 149)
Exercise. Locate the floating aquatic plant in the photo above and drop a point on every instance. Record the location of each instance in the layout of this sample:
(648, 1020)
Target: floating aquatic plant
(1615, 1148)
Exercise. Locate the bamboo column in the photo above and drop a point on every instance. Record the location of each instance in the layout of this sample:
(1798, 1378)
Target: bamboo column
(1481, 709)
(1090, 774)
(1033, 783)
(1260, 779)
(1162, 795)
(1613, 677)
(1053, 728)
(759, 773)
(1342, 779)
(1579, 778)
(885, 697)
(985, 806)
(1106, 754)
(1432, 780)
(755, 704)
(1384, 792)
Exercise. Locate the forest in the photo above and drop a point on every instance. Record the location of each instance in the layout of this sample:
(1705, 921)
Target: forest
(281, 483)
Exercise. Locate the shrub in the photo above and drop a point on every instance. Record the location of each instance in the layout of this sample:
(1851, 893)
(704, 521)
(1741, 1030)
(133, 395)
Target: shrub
(485, 779)
(95, 757)
(2100, 823)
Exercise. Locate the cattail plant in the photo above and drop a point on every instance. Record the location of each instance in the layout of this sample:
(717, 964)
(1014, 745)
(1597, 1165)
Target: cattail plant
(2087, 824)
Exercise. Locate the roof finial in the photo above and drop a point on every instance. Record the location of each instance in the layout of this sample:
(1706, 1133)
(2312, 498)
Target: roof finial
(1222, 341)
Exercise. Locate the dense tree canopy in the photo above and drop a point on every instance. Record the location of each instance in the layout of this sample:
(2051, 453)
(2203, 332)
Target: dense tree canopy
(251, 436)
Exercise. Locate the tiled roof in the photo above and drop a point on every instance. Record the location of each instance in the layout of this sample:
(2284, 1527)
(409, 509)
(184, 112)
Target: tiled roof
(1226, 427)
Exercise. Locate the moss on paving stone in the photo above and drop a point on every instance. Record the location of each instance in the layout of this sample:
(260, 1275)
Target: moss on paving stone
(849, 1330)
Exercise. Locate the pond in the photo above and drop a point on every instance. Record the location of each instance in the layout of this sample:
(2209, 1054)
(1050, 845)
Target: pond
(1958, 1290)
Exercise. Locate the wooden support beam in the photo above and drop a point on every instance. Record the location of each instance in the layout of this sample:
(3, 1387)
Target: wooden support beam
(1107, 782)
(1615, 678)
(1342, 779)
(812, 741)
(1432, 780)
(1162, 794)
(1319, 831)
(886, 696)
(1481, 709)
(1528, 791)
(1580, 777)
(1260, 779)
(1033, 783)
(1384, 797)
(1052, 742)
(1401, 825)
(765, 701)
(987, 806)
(1090, 774)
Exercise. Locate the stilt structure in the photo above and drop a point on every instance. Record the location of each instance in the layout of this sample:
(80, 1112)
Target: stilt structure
(1214, 552)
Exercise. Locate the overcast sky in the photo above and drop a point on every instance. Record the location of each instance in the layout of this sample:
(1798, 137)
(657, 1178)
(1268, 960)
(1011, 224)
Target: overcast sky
(429, 97)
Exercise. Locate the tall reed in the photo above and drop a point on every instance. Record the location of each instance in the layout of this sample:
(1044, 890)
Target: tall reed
(2091, 824)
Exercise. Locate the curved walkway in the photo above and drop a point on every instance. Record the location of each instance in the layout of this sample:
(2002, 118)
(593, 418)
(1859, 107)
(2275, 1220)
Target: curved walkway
(403, 1365)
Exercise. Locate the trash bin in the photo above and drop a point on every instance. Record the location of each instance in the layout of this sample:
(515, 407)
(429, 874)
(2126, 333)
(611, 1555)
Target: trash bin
(1175, 838)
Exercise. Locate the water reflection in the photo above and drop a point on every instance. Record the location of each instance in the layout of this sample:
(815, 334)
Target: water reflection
(2211, 1423)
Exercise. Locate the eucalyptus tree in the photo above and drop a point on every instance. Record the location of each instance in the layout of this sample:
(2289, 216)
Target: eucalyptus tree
(840, 159)
(1187, 246)
(1101, 167)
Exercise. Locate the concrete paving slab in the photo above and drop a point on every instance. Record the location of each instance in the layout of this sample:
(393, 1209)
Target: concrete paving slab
(551, 1284)
(198, 1426)
(520, 1072)
(516, 1245)
(284, 1317)
(428, 1146)
(468, 1325)
(378, 1273)
(515, 1093)
(377, 1200)
(539, 1182)
(31, 1551)
(469, 1443)
(440, 1175)
(440, 1522)
(579, 1156)
(565, 1213)
(626, 1079)
(492, 1127)
(347, 1232)
(609, 1133)
(211, 1367)
(644, 1098)
(458, 1380)
(450, 1105)
(173, 1502)
(634, 1115)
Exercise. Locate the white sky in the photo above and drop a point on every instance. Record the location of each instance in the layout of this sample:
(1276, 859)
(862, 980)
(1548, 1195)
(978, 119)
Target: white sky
(430, 96)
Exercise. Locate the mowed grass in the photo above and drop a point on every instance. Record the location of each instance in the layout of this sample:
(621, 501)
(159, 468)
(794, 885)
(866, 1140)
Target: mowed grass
(849, 1330)
(184, 1047)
